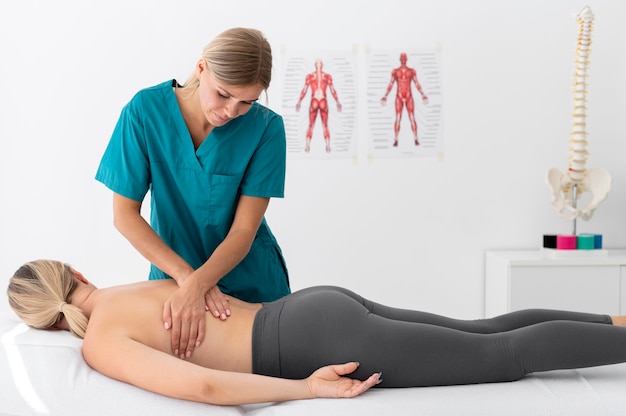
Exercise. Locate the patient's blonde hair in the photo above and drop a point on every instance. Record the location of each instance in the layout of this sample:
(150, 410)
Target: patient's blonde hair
(37, 292)
(237, 57)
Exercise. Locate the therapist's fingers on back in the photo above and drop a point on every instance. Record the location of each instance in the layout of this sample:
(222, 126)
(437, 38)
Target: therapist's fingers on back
(214, 307)
(175, 336)
(168, 321)
(201, 331)
(218, 303)
(184, 338)
(167, 316)
(191, 325)
(225, 303)
(191, 342)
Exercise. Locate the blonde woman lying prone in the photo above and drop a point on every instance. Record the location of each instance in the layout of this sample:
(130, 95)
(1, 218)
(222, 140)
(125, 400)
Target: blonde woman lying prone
(317, 342)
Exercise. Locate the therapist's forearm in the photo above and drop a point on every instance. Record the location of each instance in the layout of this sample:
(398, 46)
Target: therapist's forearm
(225, 258)
(148, 243)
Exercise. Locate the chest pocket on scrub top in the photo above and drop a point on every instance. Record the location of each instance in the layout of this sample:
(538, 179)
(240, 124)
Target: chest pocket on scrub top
(223, 199)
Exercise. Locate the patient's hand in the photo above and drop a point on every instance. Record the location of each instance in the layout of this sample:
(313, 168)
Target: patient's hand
(330, 382)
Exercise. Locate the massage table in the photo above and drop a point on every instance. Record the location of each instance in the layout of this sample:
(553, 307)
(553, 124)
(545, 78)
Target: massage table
(43, 373)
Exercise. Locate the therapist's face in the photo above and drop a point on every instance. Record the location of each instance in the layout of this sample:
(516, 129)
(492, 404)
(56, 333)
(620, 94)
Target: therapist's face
(221, 103)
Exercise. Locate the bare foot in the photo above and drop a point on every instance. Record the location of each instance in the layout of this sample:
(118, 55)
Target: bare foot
(619, 320)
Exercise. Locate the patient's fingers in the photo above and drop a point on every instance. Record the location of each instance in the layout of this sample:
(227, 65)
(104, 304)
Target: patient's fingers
(361, 387)
(329, 381)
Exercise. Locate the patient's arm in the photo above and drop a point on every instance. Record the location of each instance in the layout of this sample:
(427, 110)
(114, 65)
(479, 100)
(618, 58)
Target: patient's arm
(120, 357)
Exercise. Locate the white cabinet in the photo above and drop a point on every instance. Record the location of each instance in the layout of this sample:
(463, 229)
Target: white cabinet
(583, 282)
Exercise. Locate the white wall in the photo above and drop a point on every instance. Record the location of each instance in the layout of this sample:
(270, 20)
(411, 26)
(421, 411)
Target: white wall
(409, 232)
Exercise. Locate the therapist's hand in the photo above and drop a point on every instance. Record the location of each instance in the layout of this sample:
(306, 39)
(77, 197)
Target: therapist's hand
(217, 303)
(184, 314)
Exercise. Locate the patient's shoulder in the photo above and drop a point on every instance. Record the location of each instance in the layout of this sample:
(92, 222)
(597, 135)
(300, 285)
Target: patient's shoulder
(131, 311)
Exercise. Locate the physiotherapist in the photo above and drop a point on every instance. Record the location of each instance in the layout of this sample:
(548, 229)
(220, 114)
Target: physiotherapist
(212, 158)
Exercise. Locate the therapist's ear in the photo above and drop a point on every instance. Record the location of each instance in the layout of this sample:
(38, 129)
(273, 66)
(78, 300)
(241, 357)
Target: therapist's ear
(201, 66)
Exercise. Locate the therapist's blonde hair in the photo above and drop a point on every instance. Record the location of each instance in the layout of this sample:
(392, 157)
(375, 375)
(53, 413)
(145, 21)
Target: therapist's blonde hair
(37, 292)
(237, 57)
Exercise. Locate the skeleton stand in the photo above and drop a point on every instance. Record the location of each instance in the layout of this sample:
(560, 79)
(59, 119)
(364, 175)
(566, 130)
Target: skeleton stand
(574, 198)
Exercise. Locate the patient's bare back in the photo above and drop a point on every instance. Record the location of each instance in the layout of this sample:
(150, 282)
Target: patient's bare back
(135, 311)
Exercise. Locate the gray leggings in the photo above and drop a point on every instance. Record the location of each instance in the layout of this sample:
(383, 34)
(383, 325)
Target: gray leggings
(311, 328)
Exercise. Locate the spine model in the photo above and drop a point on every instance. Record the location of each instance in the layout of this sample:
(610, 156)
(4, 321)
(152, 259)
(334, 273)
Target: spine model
(567, 188)
(578, 136)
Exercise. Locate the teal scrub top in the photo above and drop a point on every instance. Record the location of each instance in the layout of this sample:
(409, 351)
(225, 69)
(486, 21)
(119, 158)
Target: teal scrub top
(194, 193)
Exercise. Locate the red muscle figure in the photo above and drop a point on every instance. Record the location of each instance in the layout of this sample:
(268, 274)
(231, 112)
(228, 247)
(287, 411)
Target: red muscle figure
(318, 81)
(403, 75)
